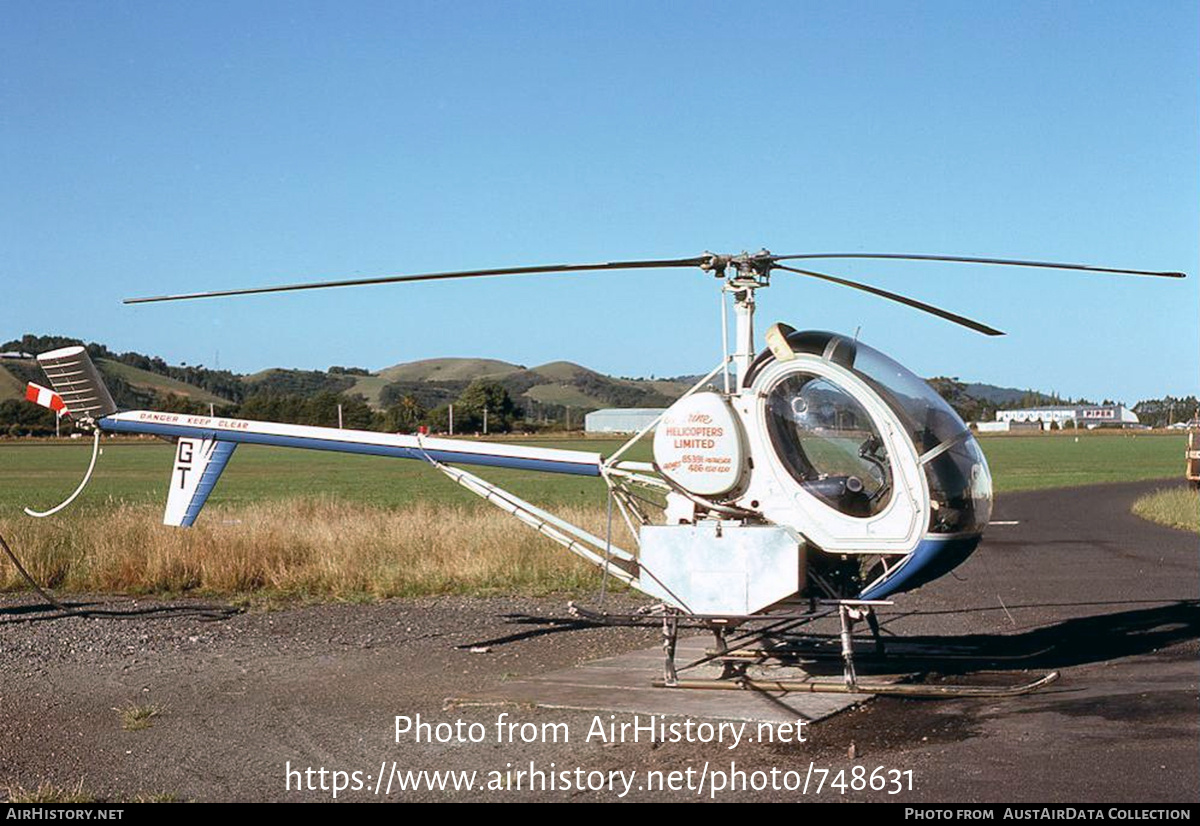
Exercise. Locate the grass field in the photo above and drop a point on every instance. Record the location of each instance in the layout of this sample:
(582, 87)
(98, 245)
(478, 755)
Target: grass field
(40, 474)
(340, 526)
(1176, 507)
(1064, 460)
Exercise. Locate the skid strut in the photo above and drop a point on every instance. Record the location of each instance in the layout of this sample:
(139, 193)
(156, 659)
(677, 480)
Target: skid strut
(670, 631)
(735, 656)
(847, 647)
(726, 653)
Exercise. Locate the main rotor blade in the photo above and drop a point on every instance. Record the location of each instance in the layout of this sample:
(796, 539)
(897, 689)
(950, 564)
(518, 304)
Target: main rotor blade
(435, 276)
(911, 302)
(962, 259)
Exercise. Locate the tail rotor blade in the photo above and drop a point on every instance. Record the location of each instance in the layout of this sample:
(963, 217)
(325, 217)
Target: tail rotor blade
(910, 302)
(436, 276)
(962, 259)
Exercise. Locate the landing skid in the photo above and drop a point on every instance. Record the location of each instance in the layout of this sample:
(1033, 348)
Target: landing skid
(890, 689)
(735, 653)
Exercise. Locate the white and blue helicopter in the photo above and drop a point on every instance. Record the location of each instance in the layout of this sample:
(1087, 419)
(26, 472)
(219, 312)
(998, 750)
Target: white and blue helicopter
(813, 476)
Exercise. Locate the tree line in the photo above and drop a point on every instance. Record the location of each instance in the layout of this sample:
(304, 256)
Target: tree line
(312, 397)
(404, 415)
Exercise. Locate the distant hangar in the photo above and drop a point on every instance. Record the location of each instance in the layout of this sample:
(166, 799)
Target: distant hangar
(1086, 415)
(620, 420)
(633, 419)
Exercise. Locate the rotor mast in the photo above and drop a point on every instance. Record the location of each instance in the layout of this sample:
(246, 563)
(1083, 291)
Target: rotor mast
(743, 275)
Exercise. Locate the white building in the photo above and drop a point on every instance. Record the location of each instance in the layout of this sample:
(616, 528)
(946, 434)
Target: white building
(1089, 416)
(620, 420)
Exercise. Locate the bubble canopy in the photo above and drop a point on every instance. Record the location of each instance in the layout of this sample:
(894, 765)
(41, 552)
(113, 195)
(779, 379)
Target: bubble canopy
(831, 447)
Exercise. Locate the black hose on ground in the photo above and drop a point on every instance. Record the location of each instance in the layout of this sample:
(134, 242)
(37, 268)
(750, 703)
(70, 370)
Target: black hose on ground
(206, 613)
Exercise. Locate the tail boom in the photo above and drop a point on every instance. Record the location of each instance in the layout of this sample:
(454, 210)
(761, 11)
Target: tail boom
(449, 451)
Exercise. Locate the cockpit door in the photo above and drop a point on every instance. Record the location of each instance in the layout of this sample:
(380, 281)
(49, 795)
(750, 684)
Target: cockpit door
(840, 467)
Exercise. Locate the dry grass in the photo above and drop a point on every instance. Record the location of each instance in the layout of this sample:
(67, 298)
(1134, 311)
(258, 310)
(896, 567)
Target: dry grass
(53, 794)
(1175, 507)
(136, 718)
(305, 548)
(50, 793)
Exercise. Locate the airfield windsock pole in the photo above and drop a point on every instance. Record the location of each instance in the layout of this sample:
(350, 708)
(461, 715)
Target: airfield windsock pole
(485, 420)
(339, 417)
(451, 420)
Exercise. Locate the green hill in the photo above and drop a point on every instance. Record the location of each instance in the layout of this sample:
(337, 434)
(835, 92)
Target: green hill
(11, 387)
(562, 395)
(555, 384)
(565, 371)
(304, 382)
(368, 387)
(449, 369)
(144, 380)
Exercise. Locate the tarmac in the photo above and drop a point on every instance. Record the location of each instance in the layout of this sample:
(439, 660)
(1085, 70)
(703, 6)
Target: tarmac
(1065, 580)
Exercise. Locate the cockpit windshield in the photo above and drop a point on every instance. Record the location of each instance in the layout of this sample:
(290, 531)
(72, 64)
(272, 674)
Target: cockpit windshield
(960, 484)
(929, 419)
(829, 444)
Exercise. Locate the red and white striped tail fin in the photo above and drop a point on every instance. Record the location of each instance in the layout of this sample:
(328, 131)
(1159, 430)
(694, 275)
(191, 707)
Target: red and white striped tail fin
(44, 397)
(77, 382)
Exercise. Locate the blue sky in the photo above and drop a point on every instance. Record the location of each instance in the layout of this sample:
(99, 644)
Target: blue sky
(154, 147)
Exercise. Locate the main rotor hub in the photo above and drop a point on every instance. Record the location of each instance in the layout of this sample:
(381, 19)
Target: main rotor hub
(752, 269)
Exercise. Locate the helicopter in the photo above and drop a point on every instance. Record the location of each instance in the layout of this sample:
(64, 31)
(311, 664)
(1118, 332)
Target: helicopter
(812, 476)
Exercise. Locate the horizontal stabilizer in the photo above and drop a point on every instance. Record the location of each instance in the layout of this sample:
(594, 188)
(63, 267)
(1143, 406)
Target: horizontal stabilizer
(77, 381)
(198, 466)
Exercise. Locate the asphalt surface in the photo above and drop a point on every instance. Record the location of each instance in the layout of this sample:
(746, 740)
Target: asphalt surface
(1078, 585)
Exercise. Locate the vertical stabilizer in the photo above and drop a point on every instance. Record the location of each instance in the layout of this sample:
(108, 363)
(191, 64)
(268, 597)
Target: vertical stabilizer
(198, 466)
